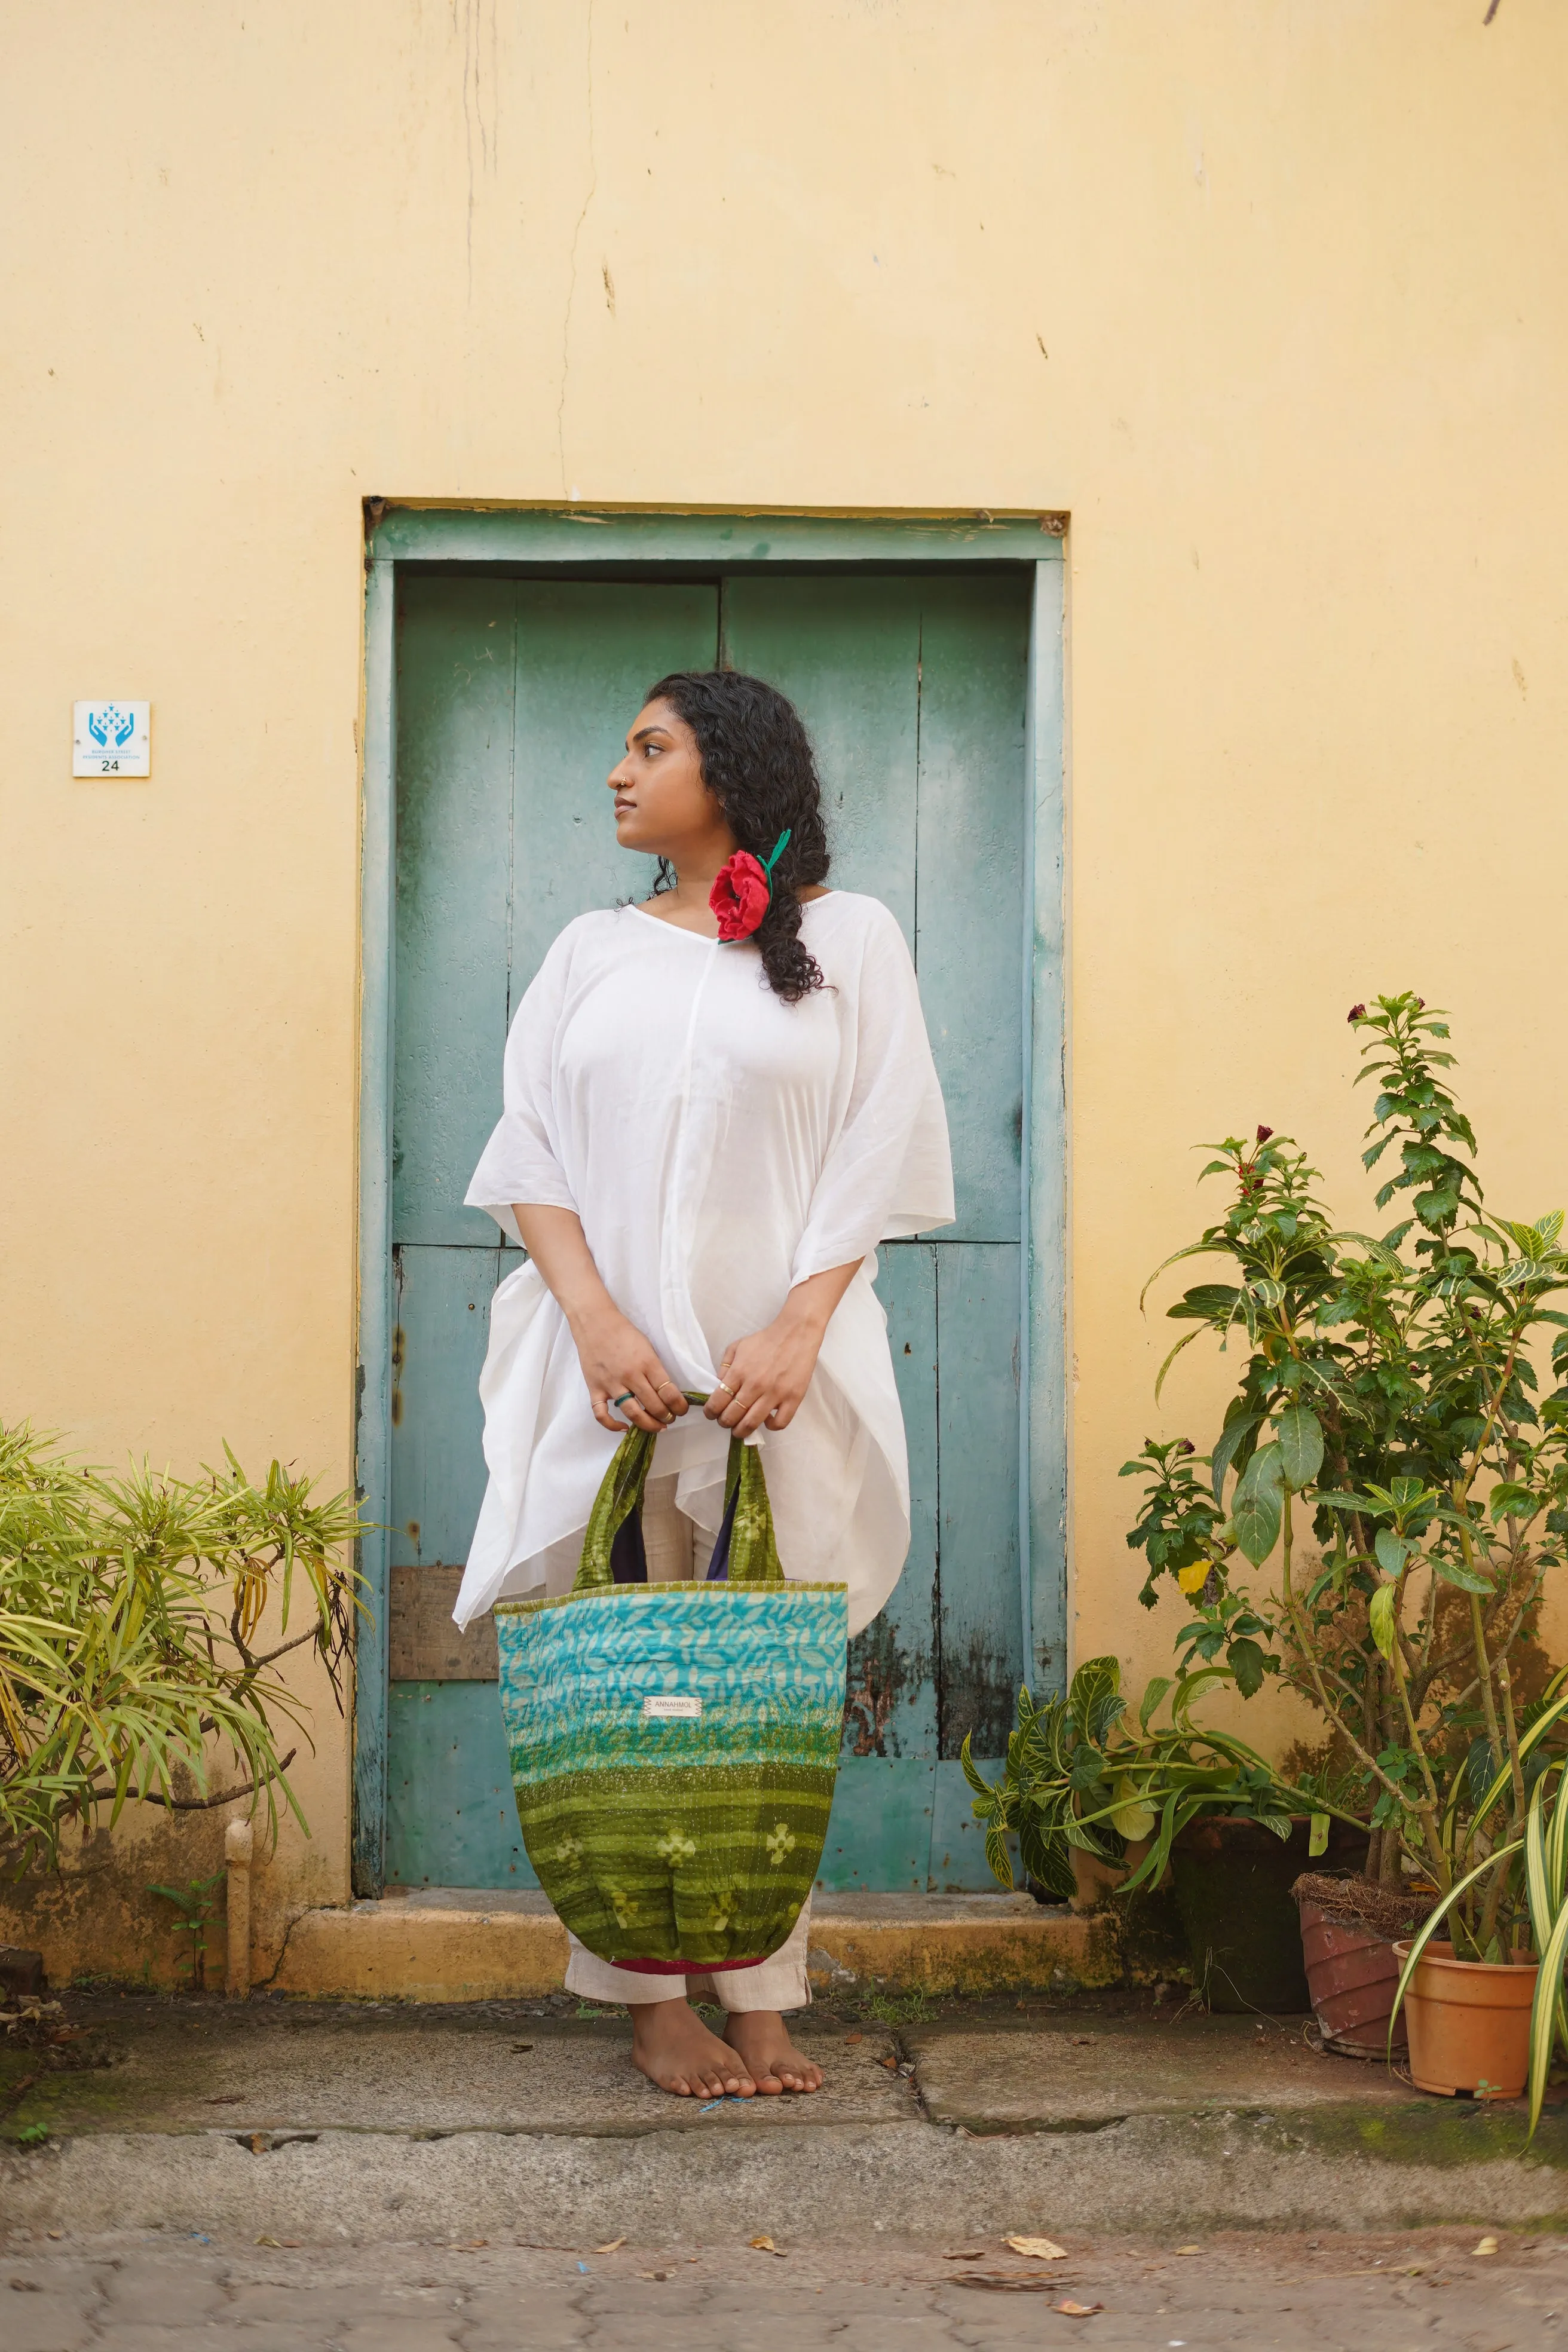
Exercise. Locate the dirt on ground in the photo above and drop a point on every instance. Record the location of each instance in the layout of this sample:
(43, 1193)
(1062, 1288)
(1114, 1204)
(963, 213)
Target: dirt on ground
(1474, 2291)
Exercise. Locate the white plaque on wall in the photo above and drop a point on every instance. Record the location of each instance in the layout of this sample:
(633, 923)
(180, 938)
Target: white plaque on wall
(112, 738)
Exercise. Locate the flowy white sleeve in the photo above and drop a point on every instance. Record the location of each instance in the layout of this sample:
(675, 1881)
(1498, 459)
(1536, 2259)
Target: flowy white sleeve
(522, 1160)
(888, 1168)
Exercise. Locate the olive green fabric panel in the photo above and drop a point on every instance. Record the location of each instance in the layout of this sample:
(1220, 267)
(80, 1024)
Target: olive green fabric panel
(694, 1866)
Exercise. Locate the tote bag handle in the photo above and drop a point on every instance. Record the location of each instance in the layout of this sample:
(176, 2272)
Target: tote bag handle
(745, 1552)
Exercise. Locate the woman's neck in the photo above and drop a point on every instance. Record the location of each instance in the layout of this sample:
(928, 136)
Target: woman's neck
(685, 904)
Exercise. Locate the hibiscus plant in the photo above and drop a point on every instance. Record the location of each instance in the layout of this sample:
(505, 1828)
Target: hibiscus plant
(1388, 1457)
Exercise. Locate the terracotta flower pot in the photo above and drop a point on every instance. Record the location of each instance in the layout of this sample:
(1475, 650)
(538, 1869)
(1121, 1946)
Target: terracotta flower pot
(1352, 1973)
(1233, 1881)
(1470, 2024)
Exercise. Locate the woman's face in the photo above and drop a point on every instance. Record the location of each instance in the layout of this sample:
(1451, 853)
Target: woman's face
(662, 805)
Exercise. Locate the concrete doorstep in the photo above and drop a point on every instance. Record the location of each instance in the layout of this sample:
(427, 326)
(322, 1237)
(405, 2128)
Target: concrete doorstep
(448, 1943)
(525, 2120)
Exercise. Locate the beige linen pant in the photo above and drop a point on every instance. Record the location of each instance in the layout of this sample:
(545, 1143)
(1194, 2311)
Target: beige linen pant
(677, 1550)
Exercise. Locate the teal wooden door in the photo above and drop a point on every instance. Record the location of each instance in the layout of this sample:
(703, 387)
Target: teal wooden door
(513, 698)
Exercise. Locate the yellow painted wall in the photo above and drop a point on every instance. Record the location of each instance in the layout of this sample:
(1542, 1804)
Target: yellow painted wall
(1271, 294)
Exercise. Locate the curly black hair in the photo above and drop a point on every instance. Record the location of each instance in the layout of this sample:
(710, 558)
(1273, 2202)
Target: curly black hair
(758, 763)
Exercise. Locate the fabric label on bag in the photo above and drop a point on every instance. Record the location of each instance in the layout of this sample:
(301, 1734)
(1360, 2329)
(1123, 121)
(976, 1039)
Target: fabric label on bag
(671, 1710)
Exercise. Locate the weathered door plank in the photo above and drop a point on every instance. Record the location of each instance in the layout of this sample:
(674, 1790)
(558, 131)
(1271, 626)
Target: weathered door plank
(846, 653)
(969, 932)
(879, 1835)
(442, 1304)
(587, 652)
(454, 877)
(980, 1657)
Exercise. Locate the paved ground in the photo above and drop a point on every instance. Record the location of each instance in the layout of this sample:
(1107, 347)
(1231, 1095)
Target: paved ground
(147, 2063)
(1420, 2292)
(265, 2176)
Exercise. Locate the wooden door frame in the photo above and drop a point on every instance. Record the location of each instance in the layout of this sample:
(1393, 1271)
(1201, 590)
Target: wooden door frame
(576, 541)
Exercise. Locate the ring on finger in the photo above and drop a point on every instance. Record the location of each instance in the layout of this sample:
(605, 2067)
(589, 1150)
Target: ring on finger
(626, 1397)
(725, 1386)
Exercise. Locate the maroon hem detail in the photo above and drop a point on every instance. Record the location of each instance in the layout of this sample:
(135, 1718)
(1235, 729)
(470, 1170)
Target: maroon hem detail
(688, 1968)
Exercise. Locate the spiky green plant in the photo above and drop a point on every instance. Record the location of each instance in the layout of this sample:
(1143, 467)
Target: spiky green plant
(130, 1655)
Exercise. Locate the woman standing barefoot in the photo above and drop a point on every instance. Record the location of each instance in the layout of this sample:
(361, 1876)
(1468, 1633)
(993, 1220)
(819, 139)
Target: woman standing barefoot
(716, 1105)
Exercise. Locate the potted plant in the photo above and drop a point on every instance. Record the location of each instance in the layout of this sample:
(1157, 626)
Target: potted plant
(1082, 1773)
(1388, 1448)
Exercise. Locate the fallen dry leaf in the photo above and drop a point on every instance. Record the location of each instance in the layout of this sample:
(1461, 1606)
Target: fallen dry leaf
(890, 2063)
(854, 2037)
(259, 2143)
(269, 2241)
(765, 2246)
(1071, 2310)
(613, 2247)
(1040, 2250)
(1487, 2246)
(1003, 2282)
(964, 2254)
(521, 2045)
(653, 2275)
(1189, 2249)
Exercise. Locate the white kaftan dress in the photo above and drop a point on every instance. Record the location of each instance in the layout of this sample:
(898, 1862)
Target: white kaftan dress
(719, 1146)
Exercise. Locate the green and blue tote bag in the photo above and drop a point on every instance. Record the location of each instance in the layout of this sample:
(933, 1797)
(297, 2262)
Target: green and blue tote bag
(674, 1746)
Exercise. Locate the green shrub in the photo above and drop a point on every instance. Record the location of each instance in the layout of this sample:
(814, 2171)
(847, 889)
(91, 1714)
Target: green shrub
(131, 1663)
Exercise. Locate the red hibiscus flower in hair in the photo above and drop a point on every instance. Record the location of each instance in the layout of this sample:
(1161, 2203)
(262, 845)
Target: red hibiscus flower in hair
(739, 895)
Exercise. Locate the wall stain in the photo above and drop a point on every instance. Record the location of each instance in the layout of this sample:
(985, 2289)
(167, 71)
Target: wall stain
(882, 1676)
(976, 1696)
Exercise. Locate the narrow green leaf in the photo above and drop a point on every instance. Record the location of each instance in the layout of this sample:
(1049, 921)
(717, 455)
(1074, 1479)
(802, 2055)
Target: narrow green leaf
(999, 1858)
(976, 1780)
(1160, 1377)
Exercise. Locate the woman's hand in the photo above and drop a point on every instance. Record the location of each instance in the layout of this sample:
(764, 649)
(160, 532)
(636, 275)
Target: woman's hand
(764, 1376)
(617, 1361)
(615, 1358)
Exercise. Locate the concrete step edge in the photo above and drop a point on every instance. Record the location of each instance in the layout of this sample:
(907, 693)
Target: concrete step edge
(407, 1950)
(1185, 2173)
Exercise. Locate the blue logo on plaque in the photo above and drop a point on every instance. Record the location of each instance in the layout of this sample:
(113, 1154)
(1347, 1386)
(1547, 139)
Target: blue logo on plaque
(110, 727)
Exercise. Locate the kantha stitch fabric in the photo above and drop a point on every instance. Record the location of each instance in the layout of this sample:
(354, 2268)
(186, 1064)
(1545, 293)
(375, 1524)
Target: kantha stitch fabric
(674, 1746)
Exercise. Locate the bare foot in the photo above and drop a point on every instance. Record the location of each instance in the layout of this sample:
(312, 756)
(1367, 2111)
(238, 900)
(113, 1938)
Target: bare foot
(759, 2037)
(674, 2048)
